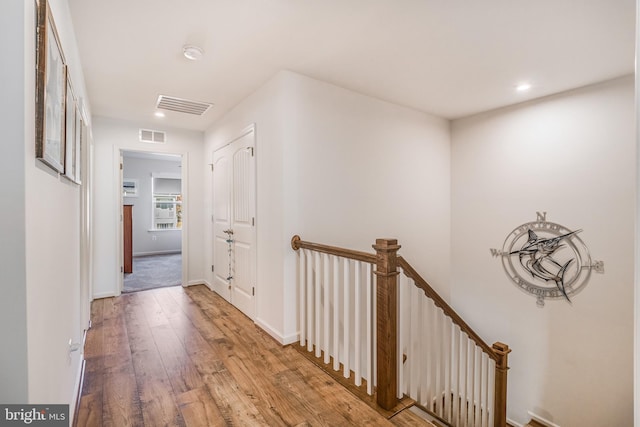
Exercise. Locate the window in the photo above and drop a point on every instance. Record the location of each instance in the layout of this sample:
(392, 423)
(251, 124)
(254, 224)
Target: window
(167, 203)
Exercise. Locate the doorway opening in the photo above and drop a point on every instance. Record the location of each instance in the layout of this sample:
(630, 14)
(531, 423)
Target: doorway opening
(152, 220)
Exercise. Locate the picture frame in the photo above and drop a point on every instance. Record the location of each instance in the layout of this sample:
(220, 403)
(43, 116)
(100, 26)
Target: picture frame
(51, 82)
(79, 141)
(70, 133)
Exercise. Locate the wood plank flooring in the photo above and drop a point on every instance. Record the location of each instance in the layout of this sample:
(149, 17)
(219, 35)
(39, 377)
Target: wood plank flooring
(185, 357)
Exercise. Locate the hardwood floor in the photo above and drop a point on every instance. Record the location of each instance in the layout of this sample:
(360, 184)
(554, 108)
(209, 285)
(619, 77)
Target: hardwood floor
(185, 357)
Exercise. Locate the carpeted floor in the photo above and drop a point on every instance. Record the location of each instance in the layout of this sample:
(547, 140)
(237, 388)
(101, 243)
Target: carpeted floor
(154, 271)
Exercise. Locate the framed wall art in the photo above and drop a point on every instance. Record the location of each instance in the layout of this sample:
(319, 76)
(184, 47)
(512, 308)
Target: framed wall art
(70, 133)
(51, 84)
(79, 138)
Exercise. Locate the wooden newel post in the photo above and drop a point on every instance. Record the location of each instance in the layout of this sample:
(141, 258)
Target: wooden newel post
(387, 322)
(500, 400)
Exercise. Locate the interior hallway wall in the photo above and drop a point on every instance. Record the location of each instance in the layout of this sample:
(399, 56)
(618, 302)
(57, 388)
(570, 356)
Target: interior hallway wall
(14, 113)
(340, 168)
(571, 155)
(42, 213)
(111, 136)
(53, 215)
(264, 109)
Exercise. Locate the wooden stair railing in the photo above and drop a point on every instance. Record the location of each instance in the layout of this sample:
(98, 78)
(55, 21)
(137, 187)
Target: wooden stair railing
(316, 272)
(498, 351)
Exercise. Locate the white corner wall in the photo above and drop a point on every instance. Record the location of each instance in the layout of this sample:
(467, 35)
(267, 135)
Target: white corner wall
(358, 168)
(573, 156)
(340, 168)
(14, 112)
(636, 350)
(110, 137)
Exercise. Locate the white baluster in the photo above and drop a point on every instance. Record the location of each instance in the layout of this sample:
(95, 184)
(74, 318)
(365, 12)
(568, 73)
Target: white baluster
(446, 347)
(326, 280)
(414, 349)
(485, 390)
(318, 305)
(403, 328)
(310, 302)
(464, 340)
(357, 331)
(375, 322)
(439, 325)
(345, 320)
(426, 325)
(336, 314)
(492, 387)
(369, 320)
(455, 380)
(477, 358)
(302, 285)
(471, 375)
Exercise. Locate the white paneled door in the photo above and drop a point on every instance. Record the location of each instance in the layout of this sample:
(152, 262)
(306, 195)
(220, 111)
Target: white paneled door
(234, 251)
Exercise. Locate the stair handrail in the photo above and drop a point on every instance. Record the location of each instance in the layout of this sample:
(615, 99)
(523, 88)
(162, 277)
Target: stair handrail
(297, 243)
(387, 260)
(411, 273)
(498, 351)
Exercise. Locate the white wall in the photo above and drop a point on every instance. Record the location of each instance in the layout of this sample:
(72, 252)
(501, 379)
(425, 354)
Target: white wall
(339, 168)
(571, 155)
(636, 382)
(13, 113)
(166, 241)
(41, 229)
(264, 109)
(110, 137)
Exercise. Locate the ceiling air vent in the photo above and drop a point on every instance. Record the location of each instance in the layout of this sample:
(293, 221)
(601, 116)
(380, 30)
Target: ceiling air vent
(182, 105)
(152, 136)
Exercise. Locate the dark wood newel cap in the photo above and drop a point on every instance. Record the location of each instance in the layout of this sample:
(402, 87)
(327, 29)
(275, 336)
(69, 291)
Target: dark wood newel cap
(501, 347)
(386, 244)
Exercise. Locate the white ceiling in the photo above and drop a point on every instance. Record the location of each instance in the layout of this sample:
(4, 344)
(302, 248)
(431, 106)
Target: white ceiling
(451, 58)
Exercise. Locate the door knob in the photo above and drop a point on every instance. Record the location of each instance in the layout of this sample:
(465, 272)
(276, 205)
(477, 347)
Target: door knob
(229, 231)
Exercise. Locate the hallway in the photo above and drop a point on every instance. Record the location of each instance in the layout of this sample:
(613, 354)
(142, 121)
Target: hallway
(185, 357)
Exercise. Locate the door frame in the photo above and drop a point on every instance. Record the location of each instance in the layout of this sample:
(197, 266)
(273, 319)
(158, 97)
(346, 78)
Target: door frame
(244, 132)
(184, 241)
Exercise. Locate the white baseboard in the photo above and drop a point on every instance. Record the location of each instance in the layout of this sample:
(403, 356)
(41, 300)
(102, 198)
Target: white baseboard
(77, 389)
(290, 339)
(541, 420)
(104, 295)
(79, 377)
(196, 282)
(513, 423)
(284, 340)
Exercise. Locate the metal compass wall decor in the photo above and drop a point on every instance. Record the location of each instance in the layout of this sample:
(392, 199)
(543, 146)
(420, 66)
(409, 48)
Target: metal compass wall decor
(547, 260)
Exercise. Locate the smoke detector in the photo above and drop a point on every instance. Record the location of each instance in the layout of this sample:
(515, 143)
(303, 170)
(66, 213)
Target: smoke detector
(192, 53)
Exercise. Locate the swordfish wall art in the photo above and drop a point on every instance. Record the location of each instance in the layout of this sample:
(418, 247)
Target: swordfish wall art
(547, 260)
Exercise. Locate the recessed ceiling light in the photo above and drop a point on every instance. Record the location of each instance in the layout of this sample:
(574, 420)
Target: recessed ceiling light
(523, 87)
(193, 53)
(158, 114)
